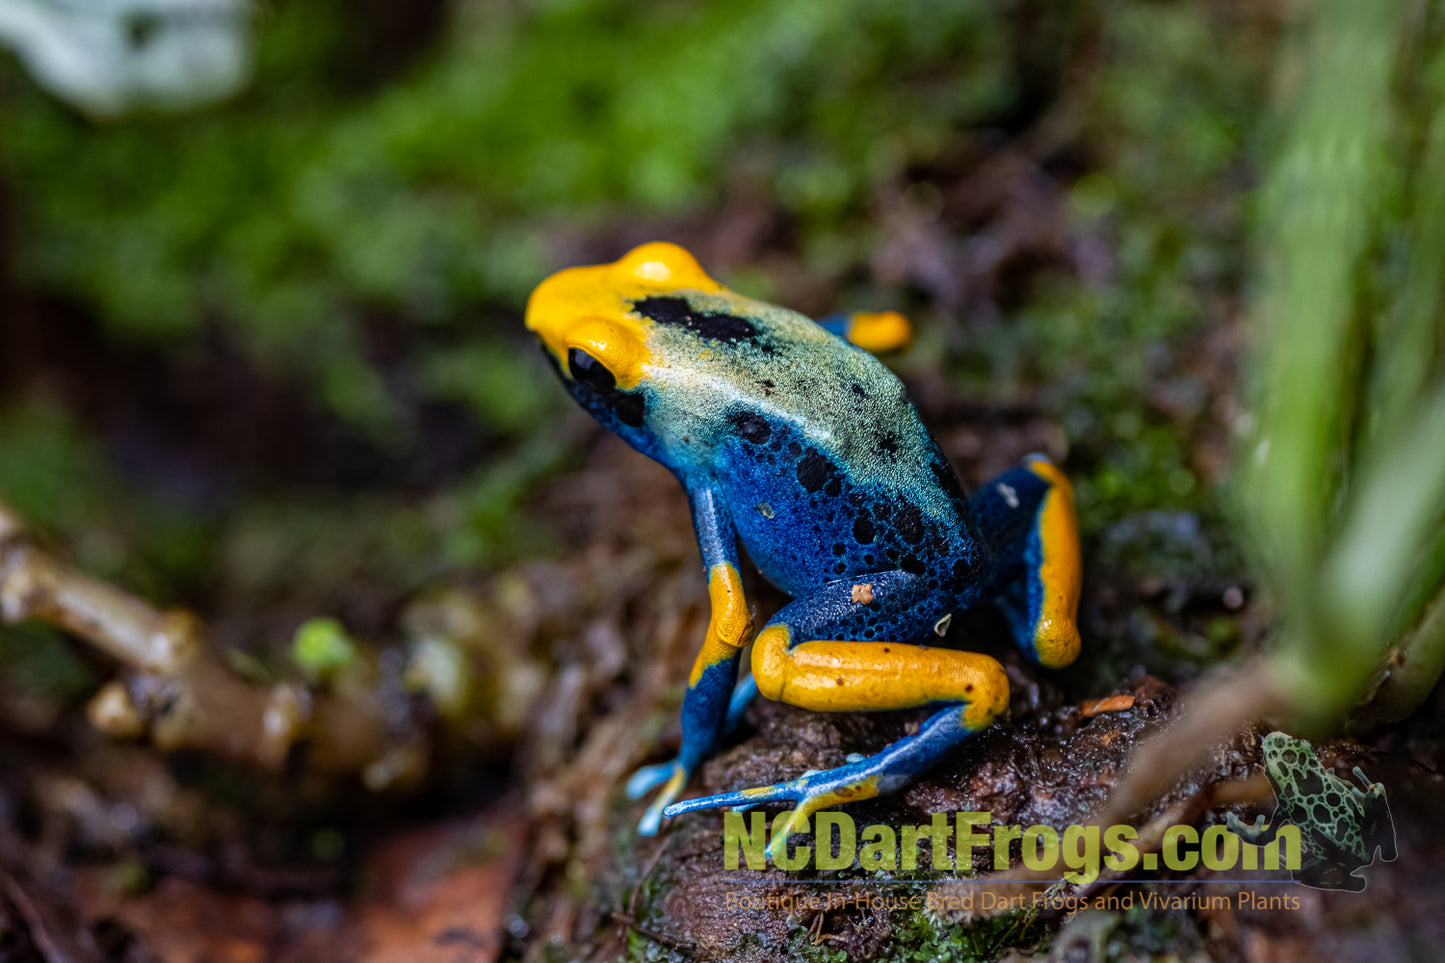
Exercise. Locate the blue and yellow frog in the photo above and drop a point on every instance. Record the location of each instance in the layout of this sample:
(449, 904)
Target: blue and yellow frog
(791, 438)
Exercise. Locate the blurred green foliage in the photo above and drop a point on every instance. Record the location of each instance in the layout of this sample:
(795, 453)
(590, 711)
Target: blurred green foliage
(1346, 478)
(368, 235)
(291, 213)
(1169, 126)
(58, 477)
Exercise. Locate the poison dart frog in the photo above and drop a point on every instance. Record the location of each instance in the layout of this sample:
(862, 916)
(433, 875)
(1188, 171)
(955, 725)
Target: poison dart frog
(1342, 825)
(790, 437)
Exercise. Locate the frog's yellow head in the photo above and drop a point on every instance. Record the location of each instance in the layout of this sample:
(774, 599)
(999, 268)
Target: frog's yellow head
(584, 315)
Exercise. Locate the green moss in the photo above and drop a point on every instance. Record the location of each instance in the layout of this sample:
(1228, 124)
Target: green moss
(800, 946)
(1165, 213)
(1150, 933)
(924, 938)
(643, 949)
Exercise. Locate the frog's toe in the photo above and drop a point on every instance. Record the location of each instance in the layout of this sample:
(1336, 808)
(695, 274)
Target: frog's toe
(739, 800)
(811, 791)
(671, 776)
(807, 794)
(648, 778)
(1247, 831)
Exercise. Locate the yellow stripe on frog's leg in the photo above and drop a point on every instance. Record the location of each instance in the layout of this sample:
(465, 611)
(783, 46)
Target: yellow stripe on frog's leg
(709, 692)
(879, 332)
(710, 686)
(727, 629)
(1060, 569)
(830, 675)
(715, 670)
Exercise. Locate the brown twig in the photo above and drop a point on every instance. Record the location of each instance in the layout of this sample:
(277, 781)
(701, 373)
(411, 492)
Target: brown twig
(1208, 716)
(46, 942)
(178, 693)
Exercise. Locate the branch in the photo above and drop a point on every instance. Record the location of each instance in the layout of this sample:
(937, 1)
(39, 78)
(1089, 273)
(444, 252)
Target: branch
(176, 692)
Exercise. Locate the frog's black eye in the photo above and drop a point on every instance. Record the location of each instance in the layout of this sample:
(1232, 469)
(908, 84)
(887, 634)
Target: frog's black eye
(629, 407)
(588, 371)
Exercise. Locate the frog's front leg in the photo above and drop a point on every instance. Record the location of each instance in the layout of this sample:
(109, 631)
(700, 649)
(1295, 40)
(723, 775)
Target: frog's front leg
(804, 657)
(1255, 833)
(705, 707)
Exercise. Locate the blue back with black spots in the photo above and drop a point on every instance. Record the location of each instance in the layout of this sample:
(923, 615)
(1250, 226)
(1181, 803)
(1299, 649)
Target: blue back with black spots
(812, 443)
(806, 519)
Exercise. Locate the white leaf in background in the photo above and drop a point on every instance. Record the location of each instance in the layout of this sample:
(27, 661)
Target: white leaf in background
(107, 57)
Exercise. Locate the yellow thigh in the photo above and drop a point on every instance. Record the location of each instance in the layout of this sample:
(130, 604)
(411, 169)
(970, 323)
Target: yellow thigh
(839, 676)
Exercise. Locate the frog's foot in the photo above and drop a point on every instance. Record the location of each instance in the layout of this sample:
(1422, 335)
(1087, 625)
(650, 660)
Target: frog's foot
(671, 776)
(1369, 784)
(1249, 832)
(1322, 876)
(862, 778)
(810, 792)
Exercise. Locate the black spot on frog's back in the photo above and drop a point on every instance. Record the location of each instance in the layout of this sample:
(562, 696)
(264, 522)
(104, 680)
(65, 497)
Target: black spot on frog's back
(908, 521)
(816, 473)
(751, 427)
(716, 326)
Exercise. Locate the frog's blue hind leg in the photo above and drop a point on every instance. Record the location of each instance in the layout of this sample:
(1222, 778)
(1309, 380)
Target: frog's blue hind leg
(800, 659)
(695, 749)
(877, 775)
(1027, 515)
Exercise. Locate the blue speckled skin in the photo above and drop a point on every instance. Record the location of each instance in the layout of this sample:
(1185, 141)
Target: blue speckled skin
(808, 450)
